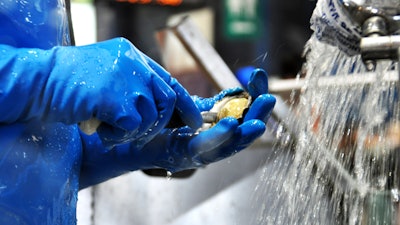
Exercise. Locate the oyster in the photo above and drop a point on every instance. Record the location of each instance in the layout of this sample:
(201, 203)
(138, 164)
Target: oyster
(230, 106)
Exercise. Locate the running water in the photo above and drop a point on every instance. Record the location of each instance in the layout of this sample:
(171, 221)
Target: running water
(342, 166)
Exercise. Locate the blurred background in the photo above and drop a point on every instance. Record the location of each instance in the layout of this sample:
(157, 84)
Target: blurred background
(258, 33)
(268, 34)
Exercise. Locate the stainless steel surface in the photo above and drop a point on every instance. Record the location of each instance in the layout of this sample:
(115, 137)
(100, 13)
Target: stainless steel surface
(382, 47)
(374, 25)
(359, 13)
(279, 86)
(222, 193)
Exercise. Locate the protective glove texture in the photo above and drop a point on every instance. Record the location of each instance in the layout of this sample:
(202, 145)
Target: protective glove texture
(112, 81)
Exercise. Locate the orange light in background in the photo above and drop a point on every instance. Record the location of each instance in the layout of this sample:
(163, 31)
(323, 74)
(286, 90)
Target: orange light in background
(169, 2)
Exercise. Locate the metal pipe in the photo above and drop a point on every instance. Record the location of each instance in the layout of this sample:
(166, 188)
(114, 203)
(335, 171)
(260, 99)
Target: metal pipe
(382, 47)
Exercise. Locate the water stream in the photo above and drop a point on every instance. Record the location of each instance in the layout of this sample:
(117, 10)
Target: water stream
(342, 165)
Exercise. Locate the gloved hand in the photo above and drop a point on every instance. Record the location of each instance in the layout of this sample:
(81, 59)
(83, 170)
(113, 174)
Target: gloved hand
(176, 149)
(185, 148)
(112, 81)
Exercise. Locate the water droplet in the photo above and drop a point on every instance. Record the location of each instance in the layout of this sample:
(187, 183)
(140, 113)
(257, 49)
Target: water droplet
(169, 175)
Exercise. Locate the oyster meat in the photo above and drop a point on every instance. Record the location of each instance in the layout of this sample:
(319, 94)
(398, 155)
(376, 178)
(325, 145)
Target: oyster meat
(230, 106)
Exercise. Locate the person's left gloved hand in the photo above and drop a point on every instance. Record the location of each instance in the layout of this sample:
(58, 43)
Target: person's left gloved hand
(177, 149)
(186, 149)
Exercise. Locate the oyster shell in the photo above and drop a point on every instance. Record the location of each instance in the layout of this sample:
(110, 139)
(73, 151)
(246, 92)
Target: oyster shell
(230, 106)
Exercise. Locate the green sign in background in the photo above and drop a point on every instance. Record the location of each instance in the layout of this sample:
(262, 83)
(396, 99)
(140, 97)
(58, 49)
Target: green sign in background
(242, 19)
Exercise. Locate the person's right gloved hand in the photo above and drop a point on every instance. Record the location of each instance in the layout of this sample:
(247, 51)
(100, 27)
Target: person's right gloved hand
(112, 81)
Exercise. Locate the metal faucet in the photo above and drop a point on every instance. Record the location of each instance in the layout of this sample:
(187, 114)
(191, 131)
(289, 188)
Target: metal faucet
(380, 28)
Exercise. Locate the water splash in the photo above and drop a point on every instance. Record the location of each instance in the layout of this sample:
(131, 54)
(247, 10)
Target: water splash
(342, 165)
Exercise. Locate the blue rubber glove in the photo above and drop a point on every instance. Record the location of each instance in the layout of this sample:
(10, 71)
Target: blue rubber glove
(112, 81)
(183, 148)
(34, 24)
